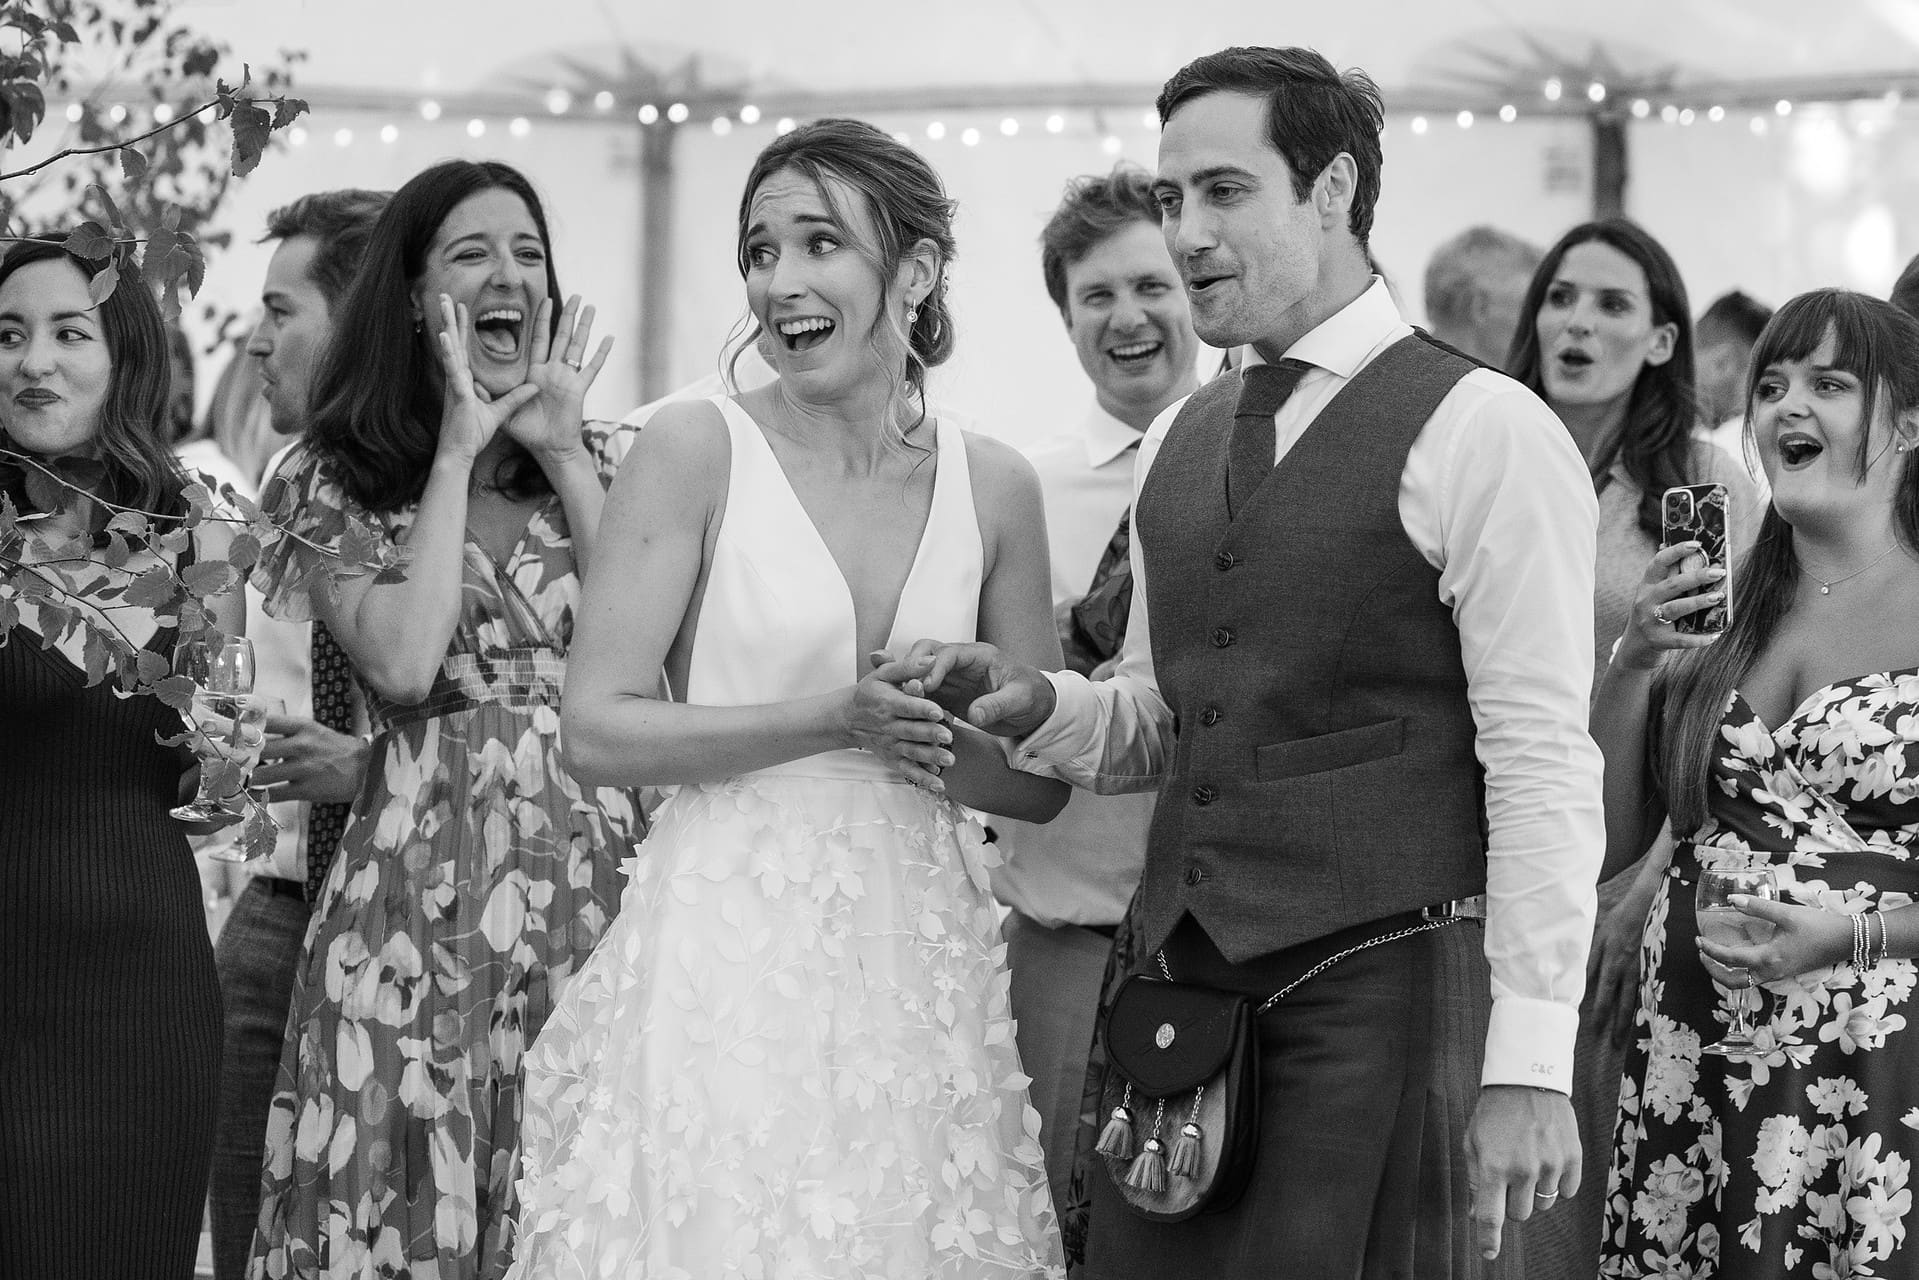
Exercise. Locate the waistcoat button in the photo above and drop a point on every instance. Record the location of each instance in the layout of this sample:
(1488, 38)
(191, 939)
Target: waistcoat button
(1225, 560)
(1205, 795)
(1222, 637)
(1210, 716)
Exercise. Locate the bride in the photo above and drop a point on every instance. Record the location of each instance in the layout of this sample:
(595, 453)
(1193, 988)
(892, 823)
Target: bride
(792, 1053)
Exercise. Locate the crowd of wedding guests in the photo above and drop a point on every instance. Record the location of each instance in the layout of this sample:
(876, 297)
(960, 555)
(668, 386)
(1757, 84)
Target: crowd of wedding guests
(724, 847)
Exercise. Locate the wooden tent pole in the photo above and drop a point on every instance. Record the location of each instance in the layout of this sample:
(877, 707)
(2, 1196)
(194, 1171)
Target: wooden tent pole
(657, 200)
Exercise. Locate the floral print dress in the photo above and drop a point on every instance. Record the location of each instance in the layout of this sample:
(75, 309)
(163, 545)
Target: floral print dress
(473, 877)
(1797, 1160)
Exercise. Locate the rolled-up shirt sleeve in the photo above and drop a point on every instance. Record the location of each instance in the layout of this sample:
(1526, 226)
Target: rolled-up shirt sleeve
(1516, 519)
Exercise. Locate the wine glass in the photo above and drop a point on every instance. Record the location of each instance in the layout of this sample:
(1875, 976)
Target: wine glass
(1722, 923)
(229, 720)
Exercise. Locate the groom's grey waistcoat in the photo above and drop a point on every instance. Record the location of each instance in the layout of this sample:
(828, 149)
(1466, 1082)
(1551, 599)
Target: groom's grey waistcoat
(1324, 772)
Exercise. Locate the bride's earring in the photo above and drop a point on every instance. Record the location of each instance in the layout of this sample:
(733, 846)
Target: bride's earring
(912, 315)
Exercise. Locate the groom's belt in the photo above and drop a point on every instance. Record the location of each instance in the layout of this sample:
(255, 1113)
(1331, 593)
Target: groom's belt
(1196, 959)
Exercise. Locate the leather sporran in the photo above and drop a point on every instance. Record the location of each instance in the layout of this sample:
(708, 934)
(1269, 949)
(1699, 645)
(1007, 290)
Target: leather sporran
(1182, 1097)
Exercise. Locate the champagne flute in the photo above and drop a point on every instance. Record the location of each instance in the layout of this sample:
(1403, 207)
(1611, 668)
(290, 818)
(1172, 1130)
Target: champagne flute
(1722, 923)
(229, 720)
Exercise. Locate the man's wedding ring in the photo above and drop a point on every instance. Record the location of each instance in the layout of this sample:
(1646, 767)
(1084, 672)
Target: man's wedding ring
(1545, 1197)
(575, 366)
(1659, 615)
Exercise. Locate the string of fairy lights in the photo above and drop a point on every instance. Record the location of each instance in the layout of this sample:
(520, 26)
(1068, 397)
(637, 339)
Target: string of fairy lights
(1557, 100)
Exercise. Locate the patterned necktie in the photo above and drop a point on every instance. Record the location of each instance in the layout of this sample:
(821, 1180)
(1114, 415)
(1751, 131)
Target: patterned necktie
(332, 707)
(1096, 626)
(1262, 390)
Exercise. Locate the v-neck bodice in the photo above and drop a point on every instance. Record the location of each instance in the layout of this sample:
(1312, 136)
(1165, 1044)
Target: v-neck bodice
(777, 620)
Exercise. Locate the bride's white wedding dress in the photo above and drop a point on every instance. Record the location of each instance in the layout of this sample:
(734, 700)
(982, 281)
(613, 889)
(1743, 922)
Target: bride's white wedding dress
(791, 1055)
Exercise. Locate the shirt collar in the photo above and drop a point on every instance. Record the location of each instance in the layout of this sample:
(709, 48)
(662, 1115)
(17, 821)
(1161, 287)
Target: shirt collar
(1342, 341)
(1106, 437)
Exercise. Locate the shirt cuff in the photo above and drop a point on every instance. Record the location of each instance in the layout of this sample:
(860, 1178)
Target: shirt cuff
(1530, 1042)
(1062, 737)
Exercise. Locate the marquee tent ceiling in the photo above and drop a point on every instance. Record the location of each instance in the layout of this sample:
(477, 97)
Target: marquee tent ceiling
(1049, 50)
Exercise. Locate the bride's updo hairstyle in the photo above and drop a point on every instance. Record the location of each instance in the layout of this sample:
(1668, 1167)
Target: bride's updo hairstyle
(906, 202)
(1876, 343)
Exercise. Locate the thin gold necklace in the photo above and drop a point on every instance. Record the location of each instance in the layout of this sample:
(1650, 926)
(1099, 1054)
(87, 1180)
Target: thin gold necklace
(1825, 586)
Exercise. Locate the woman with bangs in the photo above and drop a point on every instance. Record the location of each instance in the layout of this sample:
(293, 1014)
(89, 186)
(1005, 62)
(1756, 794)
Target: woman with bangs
(792, 1055)
(473, 873)
(1605, 339)
(1790, 742)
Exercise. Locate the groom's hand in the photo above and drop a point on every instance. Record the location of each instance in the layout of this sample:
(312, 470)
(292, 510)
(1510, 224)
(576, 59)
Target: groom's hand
(991, 691)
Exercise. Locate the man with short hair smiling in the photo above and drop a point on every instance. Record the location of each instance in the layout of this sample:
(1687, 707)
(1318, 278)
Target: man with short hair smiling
(1357, 669)
(1068, 882)
(309, 769)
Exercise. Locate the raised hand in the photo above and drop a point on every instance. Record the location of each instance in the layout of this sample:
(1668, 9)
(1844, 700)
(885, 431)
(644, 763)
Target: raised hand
(470, 415)
(560, 373)
(1677, 582)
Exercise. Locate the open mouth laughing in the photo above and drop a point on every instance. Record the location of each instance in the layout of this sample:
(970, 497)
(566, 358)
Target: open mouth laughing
(1128, 355)
(805, 333)
(500, 331)
(1574, 361)
(1797, 449)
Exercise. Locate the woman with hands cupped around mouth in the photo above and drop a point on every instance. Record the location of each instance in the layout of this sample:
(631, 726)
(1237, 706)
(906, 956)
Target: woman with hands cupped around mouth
(1787, 745)
(474, 873)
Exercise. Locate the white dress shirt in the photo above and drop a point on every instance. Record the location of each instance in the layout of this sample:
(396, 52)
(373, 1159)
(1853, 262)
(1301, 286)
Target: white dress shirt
(1497, 498)
(1082, 867)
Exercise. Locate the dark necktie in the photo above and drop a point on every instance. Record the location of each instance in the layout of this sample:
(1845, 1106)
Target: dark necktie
(1262, 390)
(1096, 627)
(332, 707)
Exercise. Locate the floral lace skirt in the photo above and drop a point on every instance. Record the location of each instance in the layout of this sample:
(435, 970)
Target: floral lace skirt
(792, 1054)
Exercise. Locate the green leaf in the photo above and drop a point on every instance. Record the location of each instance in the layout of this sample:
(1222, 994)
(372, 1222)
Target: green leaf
(243, 552)
(154, 589)
(101, 287)
(150, 666)
(89, 240)
(252, 127)
(26, 107)
(201, 61)
(98, 656)
(208, 578)
(131, 523)
(98, 192)
(133, 165)
(153, 261)
(261, 834)
(287, 110)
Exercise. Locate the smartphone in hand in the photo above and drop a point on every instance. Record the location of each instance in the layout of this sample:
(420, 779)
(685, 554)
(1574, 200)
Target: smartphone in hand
(1697, 513)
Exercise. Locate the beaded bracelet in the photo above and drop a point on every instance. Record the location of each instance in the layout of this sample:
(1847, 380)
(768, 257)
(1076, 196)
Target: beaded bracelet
(1859, 928)
(1880, 916)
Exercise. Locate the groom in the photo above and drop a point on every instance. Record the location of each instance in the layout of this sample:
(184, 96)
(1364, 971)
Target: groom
(1368, 567)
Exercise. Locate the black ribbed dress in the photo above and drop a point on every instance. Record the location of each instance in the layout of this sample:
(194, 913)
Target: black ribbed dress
(109, 1008)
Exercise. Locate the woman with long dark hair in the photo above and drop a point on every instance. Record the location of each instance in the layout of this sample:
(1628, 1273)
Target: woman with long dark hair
(1605, 339)
(473, 873)
(109, 1009)
(793, 1054)
(1790, 744)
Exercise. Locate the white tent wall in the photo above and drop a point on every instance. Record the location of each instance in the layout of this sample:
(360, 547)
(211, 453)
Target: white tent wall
(1815, 200)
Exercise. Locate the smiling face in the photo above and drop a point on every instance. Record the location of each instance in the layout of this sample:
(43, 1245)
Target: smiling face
(1808, 423)
(1126, 313)
(1250, 254)
(55, 369)
(1596, 329)
(488, 255)
(295, 324)
(821, 301)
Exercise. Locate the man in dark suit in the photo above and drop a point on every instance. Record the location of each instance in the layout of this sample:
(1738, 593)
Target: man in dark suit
(1356, 671)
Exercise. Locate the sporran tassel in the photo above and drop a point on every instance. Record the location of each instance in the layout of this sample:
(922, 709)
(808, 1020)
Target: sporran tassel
(1185, 1161)
(1116, 1139)
(1149, 1169)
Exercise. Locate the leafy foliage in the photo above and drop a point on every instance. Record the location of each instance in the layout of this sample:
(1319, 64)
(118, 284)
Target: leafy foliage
(171, 161)
(79, 585)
